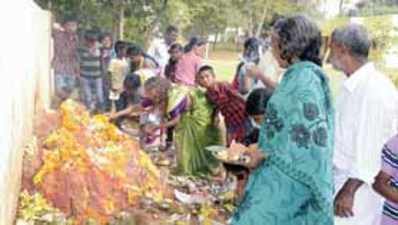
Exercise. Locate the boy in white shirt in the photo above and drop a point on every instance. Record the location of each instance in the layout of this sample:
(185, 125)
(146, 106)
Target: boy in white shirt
(118, 70)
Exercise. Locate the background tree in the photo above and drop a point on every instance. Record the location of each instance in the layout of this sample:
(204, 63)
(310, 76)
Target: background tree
(141, 20)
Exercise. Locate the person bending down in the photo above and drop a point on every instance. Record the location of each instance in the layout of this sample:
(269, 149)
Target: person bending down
(129, 104)
(188, 110)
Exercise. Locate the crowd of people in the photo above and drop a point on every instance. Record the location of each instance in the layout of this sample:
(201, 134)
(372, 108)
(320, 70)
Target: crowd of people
(313, 160)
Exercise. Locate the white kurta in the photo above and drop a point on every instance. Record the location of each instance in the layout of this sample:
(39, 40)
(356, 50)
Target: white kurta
(270, 66)
(159, 50)
(366, 117)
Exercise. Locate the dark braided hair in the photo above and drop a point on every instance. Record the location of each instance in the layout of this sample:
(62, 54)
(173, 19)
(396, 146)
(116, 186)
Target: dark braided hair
(299, 38)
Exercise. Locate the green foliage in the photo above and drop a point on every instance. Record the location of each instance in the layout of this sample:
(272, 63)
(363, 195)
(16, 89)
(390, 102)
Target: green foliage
(144, 17)
(178, 13)
(207, 16)
(328, 26)
(135, 30)
(249, 14)
(90, 13)
(392, 73)
(380, 28)
(104, 15)
(378, 9)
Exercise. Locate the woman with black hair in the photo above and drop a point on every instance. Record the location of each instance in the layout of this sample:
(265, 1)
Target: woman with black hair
(190, 62)
(291, 179)
(176, 52)
(141, 63)
(139, 59)
(189, 111)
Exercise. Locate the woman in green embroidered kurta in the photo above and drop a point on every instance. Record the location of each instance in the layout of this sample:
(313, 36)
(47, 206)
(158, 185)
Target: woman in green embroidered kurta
(292, 182)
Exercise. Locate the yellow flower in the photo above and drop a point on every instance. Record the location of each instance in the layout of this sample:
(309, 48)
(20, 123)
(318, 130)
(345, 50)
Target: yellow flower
(82, 143)
(33, 207)
(147, 163)
(207, 213)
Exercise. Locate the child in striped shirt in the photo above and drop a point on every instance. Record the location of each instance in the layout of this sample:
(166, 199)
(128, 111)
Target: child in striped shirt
(91, 78)
(386, 182)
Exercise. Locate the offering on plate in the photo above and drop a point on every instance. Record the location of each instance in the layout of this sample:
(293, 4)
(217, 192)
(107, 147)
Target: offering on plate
(235, 154)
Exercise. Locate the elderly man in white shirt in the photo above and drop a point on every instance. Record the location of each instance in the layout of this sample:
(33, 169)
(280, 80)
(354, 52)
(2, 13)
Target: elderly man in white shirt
(366, 117)
(159, 48)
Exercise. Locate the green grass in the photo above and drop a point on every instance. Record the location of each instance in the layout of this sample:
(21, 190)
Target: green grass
(225, 70)
(224, 63)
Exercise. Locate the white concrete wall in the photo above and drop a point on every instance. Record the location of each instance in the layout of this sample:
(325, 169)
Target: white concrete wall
(329, 8)
(24, 86)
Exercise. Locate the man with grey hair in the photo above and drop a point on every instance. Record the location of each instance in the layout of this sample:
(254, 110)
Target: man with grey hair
(366, 117)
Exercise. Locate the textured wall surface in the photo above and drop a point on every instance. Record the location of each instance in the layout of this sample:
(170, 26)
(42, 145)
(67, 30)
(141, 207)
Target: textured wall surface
(24, 87)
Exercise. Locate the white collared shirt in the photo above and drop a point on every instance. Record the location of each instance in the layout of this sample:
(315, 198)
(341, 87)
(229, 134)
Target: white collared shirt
(270, 66)
(159, 50)
(366, 117)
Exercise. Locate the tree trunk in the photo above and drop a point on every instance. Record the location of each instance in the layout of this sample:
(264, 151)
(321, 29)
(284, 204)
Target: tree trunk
(237, 39)
(156, 22)
(251, 24)
(261, 24)
(121, 22)
(115, 28)
(49, 6)
(341, 7)
(215, 41)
